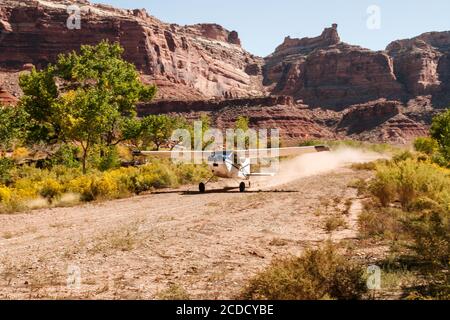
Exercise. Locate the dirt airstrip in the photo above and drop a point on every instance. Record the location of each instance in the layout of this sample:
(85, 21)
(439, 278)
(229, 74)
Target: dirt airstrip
(208, 244)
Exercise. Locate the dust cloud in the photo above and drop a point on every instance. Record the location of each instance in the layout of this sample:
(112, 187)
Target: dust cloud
(314, 164)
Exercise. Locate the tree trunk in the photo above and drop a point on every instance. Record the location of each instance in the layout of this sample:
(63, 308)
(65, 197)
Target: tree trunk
(85, 152)
(84, 161)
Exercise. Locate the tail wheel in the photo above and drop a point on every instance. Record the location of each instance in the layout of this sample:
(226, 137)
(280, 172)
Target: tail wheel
(202, 187)
(242, 187)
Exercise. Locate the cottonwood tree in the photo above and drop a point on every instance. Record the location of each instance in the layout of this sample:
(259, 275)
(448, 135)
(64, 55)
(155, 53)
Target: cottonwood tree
(241, 127)
(158, 129)
(12, 127)
(440, 131)
(85, 97)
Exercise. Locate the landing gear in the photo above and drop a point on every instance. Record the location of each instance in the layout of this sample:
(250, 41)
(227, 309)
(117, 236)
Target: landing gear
(202, 186)
(242, 187)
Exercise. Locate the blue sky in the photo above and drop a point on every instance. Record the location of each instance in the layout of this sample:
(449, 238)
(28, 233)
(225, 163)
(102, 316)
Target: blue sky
(263, 24)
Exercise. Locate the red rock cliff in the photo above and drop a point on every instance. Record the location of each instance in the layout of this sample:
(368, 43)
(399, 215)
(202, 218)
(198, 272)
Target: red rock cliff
(323, 71)
(193, 61)
(422, 64)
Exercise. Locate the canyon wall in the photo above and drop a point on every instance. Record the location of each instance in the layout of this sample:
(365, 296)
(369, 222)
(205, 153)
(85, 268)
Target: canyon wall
(316, 87)
(186, 62)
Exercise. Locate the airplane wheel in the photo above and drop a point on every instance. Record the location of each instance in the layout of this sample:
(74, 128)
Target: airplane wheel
(202, 187)
(242, 187)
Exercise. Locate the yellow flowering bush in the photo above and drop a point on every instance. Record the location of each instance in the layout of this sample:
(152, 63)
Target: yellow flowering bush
(5, 194)
(29, 183)
(51, 189)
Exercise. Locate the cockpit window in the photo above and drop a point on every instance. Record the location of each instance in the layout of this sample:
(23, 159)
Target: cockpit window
(221, 156)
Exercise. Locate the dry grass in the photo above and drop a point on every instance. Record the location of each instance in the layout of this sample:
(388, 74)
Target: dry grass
(334, 223)
(173, 292)
(123, 239)
(7, 235)
(277, 242)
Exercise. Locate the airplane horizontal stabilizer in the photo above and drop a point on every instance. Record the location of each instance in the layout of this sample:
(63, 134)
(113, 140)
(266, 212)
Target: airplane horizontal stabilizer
(281, 152)
(261, 175)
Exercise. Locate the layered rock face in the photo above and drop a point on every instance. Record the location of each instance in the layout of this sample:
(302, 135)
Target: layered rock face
(308, 88)
(325, 72)
(294, 121)
(422, 64)
(197, 61)
(6, 98)
(376, 121)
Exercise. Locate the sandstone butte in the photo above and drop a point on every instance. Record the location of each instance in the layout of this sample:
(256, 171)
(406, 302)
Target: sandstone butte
(310, 88)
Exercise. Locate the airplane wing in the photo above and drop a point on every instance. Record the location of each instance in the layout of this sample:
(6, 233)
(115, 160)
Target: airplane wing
(169, 154)
(250, 154)
(281, 152)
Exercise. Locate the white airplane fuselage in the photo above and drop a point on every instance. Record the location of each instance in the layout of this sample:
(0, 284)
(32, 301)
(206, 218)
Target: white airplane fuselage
(226, 164)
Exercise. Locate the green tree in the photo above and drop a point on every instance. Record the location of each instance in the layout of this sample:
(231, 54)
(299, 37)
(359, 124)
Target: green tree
(40, 95)
(199, 132)
(241, 127)
(87, 118)
(242, 123)
(132, 131)
(426, 145)
(85, 98)
(440, 131)
(12, 125)
(158, 129)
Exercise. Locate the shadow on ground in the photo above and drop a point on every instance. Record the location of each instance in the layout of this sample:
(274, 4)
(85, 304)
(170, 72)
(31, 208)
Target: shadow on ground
(222, 190)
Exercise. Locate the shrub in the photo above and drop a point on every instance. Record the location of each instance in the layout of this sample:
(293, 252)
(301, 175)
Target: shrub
(381, 223)
(402, 156)
(67, 156)
(6, 166)
(27, 188)
(383, 187)
(188, 173)
(426, 145)
(360, 184)
(440, 131)
(309, 143)
(173, 292)
(374, 147)
(83, 185)
(50, 190)
(28, 182)
(109, 160)
(124, 153)
(430, 233)
(158, 175)
(423, 190)
(369, 166)
(333, 223)
(438, 288)
(317, 274)
(406, 180)
(5, 194)
(20, 154)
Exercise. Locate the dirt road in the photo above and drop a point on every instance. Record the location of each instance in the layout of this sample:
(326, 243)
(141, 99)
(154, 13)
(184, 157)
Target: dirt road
(209, 244)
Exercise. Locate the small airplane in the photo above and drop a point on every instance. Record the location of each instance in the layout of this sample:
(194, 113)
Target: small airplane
(236, 164)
